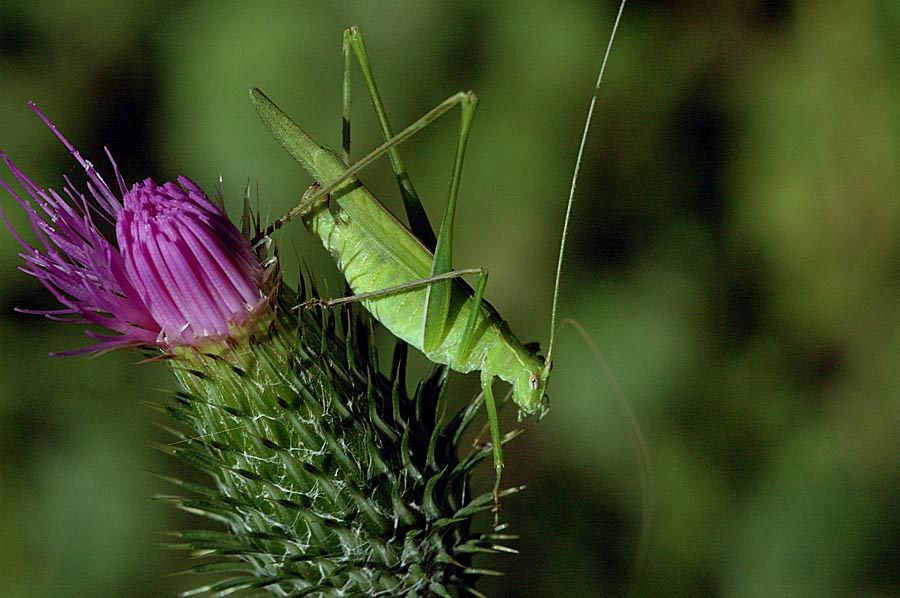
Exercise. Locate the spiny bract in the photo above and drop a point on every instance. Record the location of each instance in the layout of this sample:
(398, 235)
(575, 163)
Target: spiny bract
(329, 478)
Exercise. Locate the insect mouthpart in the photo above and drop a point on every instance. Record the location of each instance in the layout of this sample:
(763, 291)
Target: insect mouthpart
(543, 408)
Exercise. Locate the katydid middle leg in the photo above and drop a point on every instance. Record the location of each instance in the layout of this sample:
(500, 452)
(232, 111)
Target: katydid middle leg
(469, 335)
(487, 380)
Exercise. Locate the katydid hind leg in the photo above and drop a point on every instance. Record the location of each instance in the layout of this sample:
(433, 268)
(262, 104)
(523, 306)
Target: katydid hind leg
(437, 300)
(325, 166)
(346, 89)
(415, 212)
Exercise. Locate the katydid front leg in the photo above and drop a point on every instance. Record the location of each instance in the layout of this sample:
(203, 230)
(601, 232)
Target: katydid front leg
(490, 406)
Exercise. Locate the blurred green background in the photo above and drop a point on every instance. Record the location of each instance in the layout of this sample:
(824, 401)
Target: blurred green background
(735, 255)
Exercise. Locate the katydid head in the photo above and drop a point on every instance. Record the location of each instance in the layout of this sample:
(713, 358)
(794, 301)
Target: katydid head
(530, 385)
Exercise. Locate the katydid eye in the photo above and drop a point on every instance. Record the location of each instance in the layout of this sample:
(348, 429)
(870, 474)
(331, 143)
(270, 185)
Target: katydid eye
(534, 382)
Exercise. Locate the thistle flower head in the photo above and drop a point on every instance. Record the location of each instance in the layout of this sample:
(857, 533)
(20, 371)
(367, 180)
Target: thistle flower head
(179, 273)
(329, 477)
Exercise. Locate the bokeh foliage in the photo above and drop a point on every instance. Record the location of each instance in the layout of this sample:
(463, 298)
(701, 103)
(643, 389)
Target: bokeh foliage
(735, 256)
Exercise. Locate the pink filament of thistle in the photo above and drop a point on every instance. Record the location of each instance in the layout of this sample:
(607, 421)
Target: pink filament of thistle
(181, 272)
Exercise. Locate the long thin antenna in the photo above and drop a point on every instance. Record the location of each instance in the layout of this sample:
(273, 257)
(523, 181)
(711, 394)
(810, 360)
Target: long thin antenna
(578, 161)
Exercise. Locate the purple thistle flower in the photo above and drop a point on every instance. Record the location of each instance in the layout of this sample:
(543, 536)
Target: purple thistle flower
(179, 273)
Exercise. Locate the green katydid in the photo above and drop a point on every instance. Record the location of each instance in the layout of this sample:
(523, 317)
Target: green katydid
(404, 276)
